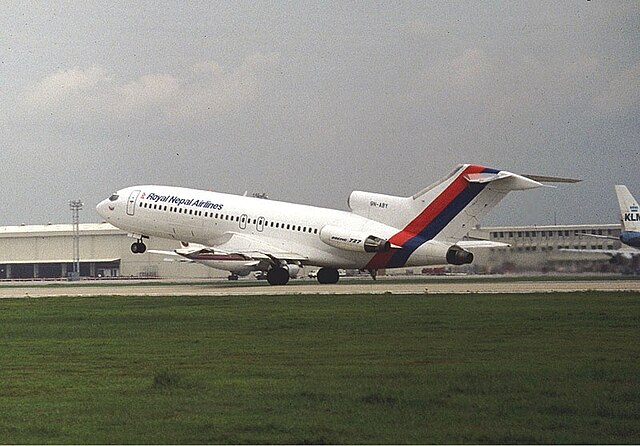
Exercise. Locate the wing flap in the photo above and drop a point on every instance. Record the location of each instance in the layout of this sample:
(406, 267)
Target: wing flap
(233, 243)
(234, 247)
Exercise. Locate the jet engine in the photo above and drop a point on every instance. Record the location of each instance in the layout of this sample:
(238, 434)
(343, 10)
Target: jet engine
(458, 256)
(353, 240)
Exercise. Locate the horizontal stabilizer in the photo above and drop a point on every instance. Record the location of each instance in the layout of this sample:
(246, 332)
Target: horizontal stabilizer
(470, 244)
(503, 180)
(547, 179)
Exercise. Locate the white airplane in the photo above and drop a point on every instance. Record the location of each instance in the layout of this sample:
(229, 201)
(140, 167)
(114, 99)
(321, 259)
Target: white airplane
(630, 229)
(242, 234)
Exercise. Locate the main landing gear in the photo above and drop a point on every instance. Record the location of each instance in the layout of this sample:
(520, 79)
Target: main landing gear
(138, 247)
(278, 276)
(328, 275)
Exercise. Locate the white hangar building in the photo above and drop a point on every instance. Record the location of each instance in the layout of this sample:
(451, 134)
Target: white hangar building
(541, 248)
(46, 251)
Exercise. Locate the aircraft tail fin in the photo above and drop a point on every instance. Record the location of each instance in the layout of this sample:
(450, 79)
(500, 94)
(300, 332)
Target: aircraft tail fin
(449, 208)
(442, 213)
(452, 207)
(629, 215)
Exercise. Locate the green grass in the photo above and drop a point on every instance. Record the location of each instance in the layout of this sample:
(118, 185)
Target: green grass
(552, 368)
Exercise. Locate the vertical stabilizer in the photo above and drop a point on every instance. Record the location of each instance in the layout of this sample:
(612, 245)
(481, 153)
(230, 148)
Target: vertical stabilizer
(629, 215)
(443, 212)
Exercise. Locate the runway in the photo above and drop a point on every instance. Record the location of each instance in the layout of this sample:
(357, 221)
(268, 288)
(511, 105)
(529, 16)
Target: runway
(307, 287)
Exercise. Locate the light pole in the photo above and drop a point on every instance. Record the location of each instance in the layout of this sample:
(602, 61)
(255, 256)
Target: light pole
(75, 206)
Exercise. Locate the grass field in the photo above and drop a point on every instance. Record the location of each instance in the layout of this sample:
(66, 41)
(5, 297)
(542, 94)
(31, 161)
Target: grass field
(552, 368)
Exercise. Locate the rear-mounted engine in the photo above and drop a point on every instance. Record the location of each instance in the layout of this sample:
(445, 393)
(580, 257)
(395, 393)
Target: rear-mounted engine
(458, 256)
(353, 240)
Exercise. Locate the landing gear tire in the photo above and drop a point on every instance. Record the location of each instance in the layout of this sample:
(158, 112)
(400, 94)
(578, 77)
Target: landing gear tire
(138, 248)
(278, 276)
(328, 275)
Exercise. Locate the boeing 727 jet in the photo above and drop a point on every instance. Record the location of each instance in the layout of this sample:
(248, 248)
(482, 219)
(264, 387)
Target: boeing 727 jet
(242, 234)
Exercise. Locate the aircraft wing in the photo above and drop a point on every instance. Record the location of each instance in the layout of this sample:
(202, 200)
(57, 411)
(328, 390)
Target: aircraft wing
(251, 248)
(171, 254)
(609, 237)
(627, 254)
(470, 244)
(237, 253)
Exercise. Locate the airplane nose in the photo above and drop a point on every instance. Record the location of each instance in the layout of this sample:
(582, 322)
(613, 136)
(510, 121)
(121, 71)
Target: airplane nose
(104, 208)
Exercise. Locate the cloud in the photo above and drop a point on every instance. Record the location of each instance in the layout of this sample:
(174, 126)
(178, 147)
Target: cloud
(68, 95)
(198, 92)
(149, 91)
(57, 87)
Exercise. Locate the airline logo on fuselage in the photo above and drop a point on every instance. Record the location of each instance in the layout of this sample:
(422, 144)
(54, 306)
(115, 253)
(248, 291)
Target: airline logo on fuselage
(178, 201)
(631, 216)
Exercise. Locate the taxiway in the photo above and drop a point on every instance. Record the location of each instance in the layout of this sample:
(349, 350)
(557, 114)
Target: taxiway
(221, 288)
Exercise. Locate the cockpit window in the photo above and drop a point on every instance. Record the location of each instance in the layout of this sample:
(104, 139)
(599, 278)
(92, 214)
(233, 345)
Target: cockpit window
(113, 197)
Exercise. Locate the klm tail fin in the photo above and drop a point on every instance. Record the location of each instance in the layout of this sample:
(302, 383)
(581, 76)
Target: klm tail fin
(629, 215)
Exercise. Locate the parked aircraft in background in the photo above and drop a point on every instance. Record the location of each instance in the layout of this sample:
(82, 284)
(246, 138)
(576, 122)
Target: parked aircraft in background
(243, 234)
(630, 229)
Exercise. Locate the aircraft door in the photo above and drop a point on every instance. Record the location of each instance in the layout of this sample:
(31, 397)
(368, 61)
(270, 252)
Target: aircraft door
(260, 224)
(131, 203)
(243, 221)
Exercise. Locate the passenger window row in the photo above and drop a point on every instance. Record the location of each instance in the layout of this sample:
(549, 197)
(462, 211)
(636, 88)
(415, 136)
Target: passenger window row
(228, 217)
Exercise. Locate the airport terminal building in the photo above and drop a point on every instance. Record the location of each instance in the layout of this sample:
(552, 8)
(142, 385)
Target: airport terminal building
(47, 251)
(545, 249)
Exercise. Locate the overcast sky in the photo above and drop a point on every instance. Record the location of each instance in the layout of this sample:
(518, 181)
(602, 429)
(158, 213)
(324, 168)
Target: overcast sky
(308, 101)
